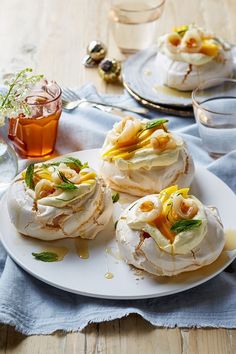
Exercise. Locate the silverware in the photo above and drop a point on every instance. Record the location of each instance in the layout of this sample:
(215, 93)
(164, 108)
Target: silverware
(70, 101)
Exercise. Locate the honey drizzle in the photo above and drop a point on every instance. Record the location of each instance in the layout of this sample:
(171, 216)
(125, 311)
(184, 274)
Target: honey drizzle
(172, 92)
(82, 249)
(109, 275)
(230, 240)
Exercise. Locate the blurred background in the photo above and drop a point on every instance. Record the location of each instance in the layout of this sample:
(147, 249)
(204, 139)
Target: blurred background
(51, 36)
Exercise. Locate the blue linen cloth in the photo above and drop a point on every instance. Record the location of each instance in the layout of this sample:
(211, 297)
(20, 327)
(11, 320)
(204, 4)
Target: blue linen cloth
(34, 307)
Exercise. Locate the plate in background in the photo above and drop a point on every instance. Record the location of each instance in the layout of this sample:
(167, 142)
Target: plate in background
(164, 109)
(143, 82)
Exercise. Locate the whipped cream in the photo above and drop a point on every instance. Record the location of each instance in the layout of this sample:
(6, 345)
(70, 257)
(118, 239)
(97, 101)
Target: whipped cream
(147, 161)
(63, 200)
(190, 56)
(147, 244)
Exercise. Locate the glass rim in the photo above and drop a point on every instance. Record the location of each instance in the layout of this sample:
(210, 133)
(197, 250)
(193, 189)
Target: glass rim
(138, 11)
(194, 92)
(50, 101)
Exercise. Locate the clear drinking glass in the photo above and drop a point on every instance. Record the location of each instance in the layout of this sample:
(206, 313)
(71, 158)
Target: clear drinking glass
(8, 165)
(134, 23)
(215, 113)
(35, 135)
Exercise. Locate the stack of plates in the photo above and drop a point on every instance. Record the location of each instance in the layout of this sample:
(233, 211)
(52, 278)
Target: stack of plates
(142, 80)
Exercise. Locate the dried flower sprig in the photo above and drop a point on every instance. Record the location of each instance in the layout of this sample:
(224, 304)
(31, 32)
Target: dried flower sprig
(13, 102)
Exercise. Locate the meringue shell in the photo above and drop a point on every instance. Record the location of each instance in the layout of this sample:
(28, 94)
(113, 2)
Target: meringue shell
(186, 77)
(151, 258)
(83, 217)
(143, 181)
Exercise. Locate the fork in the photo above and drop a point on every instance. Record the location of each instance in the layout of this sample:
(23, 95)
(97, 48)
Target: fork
(70, 101)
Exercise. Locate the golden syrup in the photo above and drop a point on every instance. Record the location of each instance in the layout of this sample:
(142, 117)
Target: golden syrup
(215, 266)
(230, 240)
(199, 273)
(109, 275)
(82, 249)
(172, 92)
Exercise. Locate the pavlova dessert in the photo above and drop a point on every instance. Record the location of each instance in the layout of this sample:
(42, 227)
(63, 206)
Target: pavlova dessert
(142, 157)
(59, 199)
(190, 55)
(169, 233)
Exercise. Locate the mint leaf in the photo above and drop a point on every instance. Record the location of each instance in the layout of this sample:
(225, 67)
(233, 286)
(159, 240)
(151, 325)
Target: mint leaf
(46, 256)
(29, 176)
(85, 165)
(67, 161)
(64, 178)
(71, 160)
(46, 165)
(182, 30)
(185, 225)
(155, 122)
(115, 197)
(66, 186)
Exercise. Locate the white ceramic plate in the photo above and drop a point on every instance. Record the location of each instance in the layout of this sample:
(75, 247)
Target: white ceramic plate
(141, 77)
(87, 276)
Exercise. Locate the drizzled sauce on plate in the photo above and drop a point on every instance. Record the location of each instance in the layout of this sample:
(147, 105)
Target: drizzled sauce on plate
(82, 248)
(109, 275)
(172, 92)
(230, 240)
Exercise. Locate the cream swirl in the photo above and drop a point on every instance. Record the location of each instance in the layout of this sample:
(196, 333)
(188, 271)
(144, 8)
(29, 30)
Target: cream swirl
(143, 147)
(59, 199)
(60, 184)
(166, 212)
(142, 157)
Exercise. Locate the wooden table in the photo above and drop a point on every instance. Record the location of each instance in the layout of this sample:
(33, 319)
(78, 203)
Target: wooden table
(51, 36)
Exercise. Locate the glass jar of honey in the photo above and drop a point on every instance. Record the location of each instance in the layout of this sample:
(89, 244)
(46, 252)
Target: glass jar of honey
(35, 135)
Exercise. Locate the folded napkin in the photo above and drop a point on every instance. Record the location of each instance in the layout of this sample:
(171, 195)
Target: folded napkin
(36, 308)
